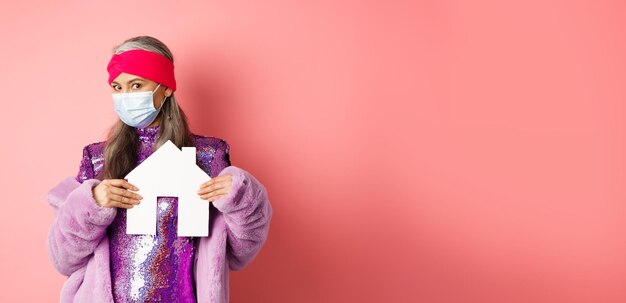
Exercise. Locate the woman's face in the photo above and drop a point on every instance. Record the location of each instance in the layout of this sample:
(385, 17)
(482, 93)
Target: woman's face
(127, 83)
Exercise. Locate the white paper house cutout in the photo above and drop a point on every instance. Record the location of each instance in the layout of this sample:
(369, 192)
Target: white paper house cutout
(169, 172)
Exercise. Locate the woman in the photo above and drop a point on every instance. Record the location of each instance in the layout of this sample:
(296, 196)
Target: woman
(87, 240)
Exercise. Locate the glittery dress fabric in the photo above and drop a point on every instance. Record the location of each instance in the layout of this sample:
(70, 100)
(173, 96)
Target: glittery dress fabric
(86, 242)
(151, 268)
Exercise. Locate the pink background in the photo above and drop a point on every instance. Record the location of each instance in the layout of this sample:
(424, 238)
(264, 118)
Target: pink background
(414, 151)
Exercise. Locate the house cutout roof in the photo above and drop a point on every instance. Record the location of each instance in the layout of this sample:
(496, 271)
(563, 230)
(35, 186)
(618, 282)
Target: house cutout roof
(172, 172)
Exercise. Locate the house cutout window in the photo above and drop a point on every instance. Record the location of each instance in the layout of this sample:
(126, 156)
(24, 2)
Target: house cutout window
(169, 172)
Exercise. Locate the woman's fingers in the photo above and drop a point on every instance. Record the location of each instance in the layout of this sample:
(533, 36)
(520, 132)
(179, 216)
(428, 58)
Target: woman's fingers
(207, 183)
(214, 194)
(115, 193)
(120, 194)
(217, 182)
(123, 183)
(210, 188)
(215, 187)
(217, 179)
(126, 193)
(122, 199)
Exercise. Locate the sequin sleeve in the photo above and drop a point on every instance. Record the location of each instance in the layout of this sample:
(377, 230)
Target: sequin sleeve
(221, 159)
(85, 169)
(247, 213)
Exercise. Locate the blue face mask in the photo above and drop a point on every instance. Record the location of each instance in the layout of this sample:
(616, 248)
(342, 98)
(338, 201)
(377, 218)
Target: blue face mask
(136, 109)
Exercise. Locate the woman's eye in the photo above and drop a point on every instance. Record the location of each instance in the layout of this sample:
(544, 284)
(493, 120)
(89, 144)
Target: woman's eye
(138, 85)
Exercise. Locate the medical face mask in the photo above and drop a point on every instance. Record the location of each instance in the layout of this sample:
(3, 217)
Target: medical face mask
(136, 109)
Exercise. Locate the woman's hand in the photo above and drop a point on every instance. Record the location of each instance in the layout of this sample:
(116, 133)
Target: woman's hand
(216, 188)
(115, 193)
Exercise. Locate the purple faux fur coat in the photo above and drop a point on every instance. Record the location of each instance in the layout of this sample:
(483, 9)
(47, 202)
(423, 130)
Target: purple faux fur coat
(79, 248)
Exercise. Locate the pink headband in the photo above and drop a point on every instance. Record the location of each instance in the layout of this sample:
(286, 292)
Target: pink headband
(145, 64)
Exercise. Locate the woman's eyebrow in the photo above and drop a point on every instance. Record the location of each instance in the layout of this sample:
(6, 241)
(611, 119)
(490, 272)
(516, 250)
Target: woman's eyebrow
(131, 80)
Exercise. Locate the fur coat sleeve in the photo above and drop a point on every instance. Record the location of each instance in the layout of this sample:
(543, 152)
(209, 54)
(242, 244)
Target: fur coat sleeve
(247, 211)
(78, 226)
